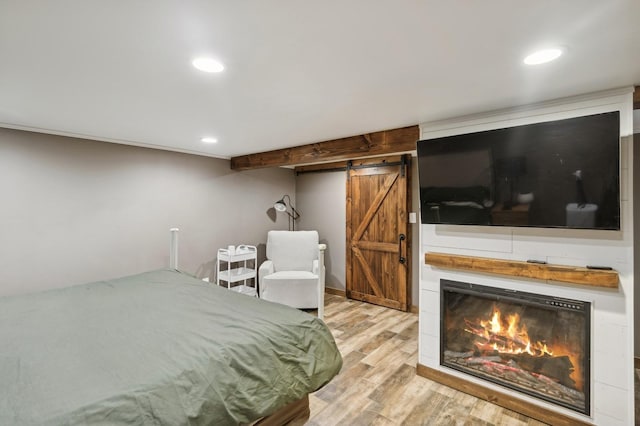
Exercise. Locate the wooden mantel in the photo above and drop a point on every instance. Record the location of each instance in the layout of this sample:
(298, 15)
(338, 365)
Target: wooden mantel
(515, 268)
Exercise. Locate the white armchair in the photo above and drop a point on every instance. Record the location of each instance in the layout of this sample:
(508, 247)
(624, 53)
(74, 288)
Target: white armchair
(294, 272)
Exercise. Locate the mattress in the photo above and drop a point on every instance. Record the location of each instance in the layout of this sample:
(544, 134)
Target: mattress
(160, 347)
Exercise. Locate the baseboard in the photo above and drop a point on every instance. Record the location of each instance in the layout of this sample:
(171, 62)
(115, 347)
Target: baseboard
(335, 291)
(413, 308)
(636, 362)
(498, 398)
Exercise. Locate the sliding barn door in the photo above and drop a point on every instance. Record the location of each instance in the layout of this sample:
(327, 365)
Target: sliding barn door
(378, 249)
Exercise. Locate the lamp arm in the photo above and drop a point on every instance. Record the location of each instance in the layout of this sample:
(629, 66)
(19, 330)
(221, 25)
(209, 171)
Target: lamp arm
(294, 213)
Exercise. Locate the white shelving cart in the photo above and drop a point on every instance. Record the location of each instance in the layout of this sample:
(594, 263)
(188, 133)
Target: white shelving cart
(237, 266)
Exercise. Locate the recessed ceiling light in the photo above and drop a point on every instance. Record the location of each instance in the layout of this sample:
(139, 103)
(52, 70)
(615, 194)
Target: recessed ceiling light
(543, 56)
(209, 140)
(207, 64)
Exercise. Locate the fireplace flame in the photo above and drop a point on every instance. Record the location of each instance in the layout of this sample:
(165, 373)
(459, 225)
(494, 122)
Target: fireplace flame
(505, 335)
(508, 336)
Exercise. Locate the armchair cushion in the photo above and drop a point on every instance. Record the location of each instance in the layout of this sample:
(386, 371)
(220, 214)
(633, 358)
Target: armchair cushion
(292, 251)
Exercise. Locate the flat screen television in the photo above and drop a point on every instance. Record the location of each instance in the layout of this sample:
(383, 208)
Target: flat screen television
(556, 174)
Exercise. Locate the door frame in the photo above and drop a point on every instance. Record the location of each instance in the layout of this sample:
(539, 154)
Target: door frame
(404, 161)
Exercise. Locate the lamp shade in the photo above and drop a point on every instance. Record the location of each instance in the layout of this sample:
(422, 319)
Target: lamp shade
(280, 205)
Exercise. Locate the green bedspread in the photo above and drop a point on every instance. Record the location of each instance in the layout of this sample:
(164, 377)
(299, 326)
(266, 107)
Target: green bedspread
(156, 348)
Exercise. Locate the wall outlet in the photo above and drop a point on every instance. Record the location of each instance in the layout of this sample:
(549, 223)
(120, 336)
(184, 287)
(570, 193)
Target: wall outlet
(412, 217)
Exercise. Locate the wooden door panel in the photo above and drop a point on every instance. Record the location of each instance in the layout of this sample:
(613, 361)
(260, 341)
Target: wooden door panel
(369, 277)
(377, 204)
(379, 221)
(375, 279)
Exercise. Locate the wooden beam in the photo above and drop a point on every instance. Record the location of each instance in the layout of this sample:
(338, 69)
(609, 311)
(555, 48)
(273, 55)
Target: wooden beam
(636, 98)
(342, 165)
(320, 167)
(370, 144)
(498, 398)
(516, 268)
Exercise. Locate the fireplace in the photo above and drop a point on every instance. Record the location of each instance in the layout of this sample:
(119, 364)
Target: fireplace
(533, 344)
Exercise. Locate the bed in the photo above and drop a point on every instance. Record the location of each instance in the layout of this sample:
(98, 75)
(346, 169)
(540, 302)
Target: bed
(157, 348)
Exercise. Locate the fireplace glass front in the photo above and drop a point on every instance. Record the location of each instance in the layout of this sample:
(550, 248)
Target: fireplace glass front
(534, 344)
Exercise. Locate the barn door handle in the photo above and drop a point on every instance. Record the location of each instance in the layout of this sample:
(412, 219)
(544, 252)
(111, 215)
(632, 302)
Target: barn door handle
(401, 238)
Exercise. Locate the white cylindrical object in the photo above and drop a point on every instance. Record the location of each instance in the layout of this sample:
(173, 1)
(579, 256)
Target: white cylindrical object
(232, 250)
(321, 283)
(173, 249)
(581, 216)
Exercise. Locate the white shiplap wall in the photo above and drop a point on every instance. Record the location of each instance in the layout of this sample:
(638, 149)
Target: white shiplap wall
(612, 335)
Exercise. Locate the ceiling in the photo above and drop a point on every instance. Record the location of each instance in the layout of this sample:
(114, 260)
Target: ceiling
(296, 72)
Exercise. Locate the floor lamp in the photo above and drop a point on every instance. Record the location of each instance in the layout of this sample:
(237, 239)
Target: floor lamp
(281, 206)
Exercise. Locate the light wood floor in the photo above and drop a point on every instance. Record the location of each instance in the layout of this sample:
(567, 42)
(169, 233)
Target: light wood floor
(378, 384)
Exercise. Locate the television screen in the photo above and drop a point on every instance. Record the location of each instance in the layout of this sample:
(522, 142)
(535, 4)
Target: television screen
(563, 173)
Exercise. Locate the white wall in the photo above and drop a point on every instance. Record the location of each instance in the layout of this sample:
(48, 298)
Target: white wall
(74, 211)
(612, 315)
(321, 201)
